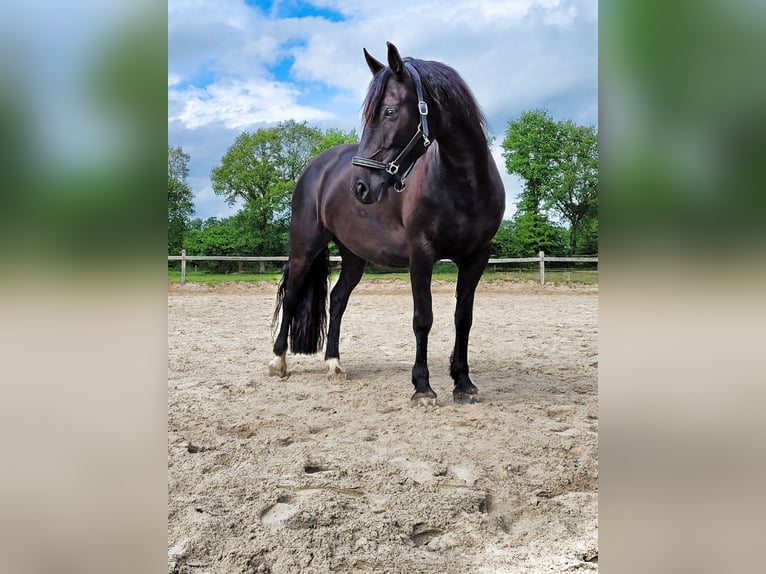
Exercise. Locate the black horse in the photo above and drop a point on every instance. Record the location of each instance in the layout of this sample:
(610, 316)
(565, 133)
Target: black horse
(421, 186)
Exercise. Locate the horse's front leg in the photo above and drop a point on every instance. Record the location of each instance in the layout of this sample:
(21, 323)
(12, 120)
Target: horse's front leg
(421, 269)
(469, 274)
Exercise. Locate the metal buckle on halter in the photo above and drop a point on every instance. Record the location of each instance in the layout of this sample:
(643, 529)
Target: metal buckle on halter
(392, 168)
(426, 141)
(423, 108)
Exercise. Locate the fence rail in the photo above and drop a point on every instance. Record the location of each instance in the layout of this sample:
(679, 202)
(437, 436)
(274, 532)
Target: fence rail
(541, 259)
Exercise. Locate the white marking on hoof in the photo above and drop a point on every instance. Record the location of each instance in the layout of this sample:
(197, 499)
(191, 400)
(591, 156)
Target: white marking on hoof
(334, 370)
(423, 401)
(278, 367)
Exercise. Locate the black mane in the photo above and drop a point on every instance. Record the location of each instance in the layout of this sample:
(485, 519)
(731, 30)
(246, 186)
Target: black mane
(445, 91)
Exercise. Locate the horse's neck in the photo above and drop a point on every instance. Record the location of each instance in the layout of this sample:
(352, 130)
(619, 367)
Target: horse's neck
(463, 153)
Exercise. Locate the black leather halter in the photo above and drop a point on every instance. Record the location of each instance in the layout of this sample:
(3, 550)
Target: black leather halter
(394, 166)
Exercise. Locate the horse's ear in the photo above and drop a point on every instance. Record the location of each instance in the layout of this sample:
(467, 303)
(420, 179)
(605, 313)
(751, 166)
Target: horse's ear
(395, 61)
(374, 65)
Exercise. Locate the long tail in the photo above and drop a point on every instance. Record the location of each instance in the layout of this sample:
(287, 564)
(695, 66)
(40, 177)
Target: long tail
(308, 325)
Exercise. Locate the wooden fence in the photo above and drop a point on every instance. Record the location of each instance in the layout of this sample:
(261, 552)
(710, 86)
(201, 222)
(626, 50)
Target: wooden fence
(541, 259)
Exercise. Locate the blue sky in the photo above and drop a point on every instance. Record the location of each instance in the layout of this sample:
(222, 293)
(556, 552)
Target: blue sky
(239, 65)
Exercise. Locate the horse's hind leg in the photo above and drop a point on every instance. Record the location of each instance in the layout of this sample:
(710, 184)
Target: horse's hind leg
(304, 267)
(351, 272)
(469, 274)
(293, 276)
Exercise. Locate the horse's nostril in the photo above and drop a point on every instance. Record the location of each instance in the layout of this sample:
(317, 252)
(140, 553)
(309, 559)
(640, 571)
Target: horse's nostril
(361, 191)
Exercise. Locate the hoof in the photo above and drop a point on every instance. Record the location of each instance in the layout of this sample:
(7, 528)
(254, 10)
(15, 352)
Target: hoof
(278, 367)
(465, 398)
(465, 392)
(425, 399)
(334, 371)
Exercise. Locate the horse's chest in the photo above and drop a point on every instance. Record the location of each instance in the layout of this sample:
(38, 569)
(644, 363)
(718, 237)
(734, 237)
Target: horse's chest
(455, 233)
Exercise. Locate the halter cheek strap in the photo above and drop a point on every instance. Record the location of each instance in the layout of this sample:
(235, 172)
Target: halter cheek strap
(393, 167)
(422, 105)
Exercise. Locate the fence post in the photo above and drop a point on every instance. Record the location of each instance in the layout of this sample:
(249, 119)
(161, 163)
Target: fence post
(542, 267)
(183, 266)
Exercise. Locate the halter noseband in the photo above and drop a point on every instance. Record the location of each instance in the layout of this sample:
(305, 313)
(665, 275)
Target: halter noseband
(394, 165)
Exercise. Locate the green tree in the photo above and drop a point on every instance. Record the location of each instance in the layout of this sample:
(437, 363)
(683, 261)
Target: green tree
(215, 237)
(250, 172)
(534, 232)
(226, 236)
(504, 242)
(587, 237)
(559, 164)
(269, 240)
(180, 198)
(526, 234)
(530, 151)
(573, 187)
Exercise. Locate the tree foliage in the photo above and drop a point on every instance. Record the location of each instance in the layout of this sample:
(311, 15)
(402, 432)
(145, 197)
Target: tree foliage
(559, 164)
(215, 237)
(180, 198)
(529, 149)
(333, 137)
(573, 188)
(587, 237)
(535, 232)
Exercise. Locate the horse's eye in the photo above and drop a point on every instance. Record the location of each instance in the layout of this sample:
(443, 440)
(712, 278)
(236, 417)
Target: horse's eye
(389, 113)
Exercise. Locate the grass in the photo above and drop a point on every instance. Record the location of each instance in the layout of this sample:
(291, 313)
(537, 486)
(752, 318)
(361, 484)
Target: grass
(174, 276)
(581, 276)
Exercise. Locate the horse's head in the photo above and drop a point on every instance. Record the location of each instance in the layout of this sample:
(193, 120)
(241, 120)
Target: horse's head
(395, 128)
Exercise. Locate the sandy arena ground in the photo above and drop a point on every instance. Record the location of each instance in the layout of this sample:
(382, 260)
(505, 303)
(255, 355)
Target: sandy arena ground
(306, 475)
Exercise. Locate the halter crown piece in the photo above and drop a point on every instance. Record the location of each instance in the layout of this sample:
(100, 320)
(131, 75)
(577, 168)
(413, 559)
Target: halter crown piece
(394, 165)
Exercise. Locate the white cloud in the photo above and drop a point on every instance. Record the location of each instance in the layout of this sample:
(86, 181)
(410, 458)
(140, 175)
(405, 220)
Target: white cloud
(238, 104)
(515, 54)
